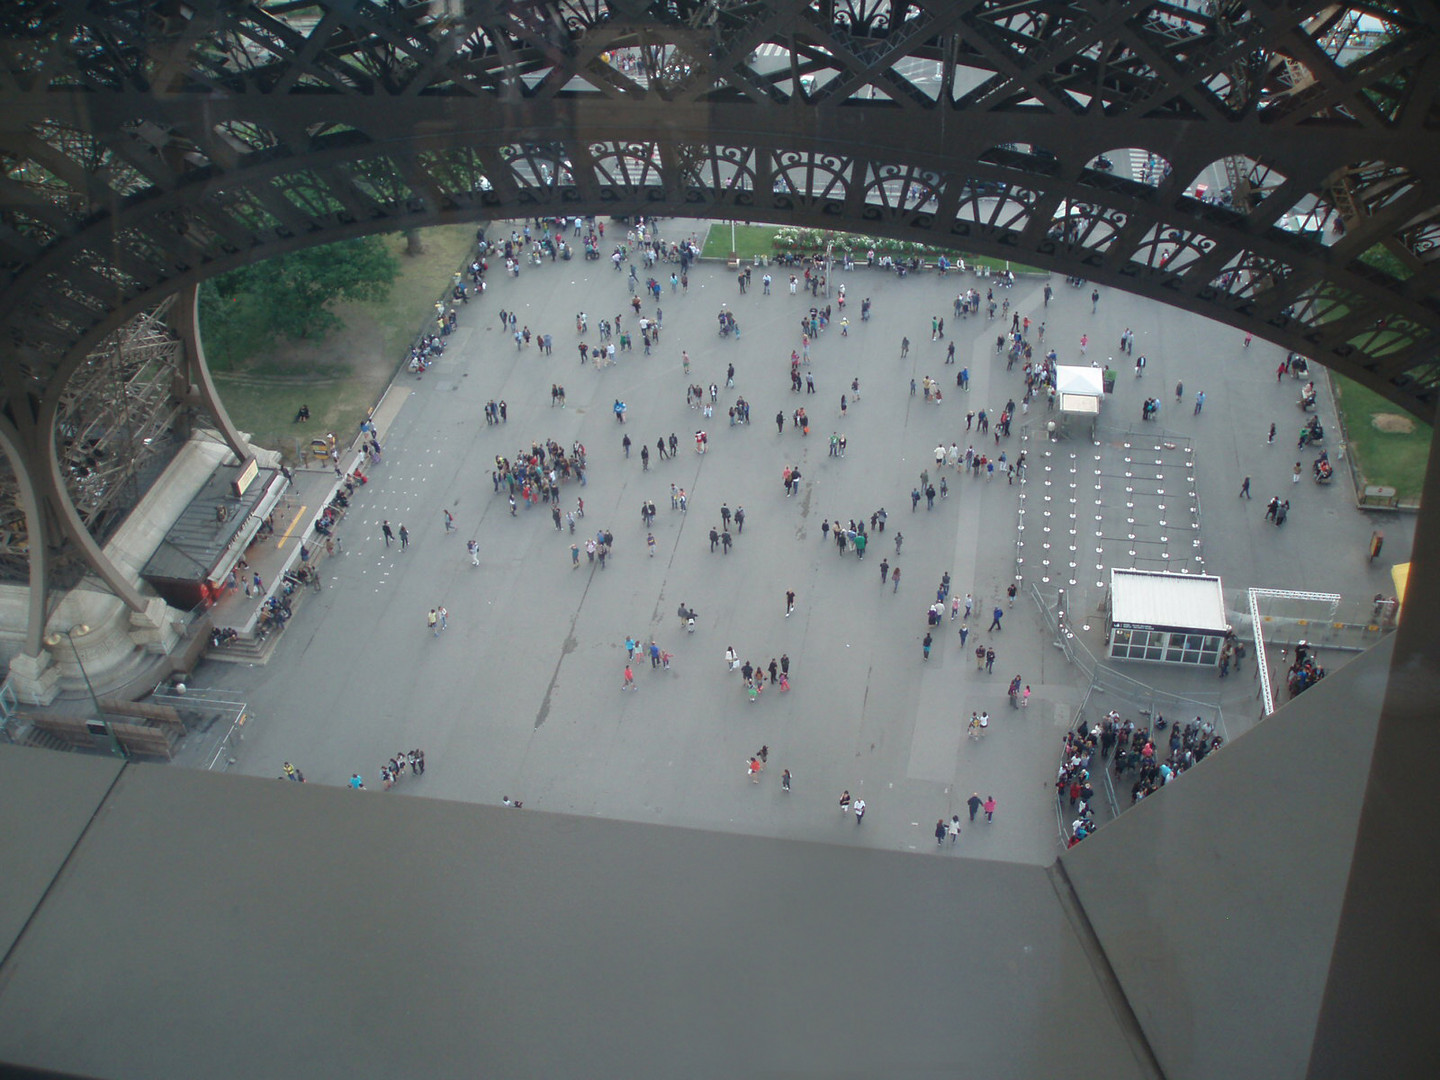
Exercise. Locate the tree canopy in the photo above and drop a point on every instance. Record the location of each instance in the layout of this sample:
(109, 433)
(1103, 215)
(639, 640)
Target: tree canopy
(289, 296)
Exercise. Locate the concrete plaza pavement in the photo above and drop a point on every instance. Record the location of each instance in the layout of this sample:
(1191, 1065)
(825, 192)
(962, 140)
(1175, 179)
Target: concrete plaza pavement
(521, 695)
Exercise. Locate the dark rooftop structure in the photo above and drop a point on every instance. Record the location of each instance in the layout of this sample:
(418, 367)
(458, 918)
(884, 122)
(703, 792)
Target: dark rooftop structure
(211, 533)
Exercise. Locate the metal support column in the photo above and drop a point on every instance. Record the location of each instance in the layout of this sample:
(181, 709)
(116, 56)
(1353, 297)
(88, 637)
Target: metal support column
(200, 388)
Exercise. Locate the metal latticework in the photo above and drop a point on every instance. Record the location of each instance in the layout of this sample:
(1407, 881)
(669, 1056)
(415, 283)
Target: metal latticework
(115, 426)
(14, 528)
(148, 145)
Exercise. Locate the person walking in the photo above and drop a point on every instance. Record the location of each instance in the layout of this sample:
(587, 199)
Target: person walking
(940, 832)
(387, 532)
(449, 521)
(789, 602)
(845, 802)
(884, 571)
(964, 633)
(444, 617)
(1199, 402)
(895, 577)
(926, 645)
(974, 803)
(954, 828)
(1295, 474)
(1270, 439)
(989, 809)
(989, 661)
(996, 616)
(859, 810)
(785, 780)
(404, 538)
(755, 769)
(1245, 489)
(433, 622)
(473, 547)
(629, 683)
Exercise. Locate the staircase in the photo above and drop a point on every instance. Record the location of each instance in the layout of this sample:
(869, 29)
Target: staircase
(45, 740)
(247, 650)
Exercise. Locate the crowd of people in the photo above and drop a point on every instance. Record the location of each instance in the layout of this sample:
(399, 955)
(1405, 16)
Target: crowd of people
(753, 677)
(391, 771)
(1305, 670)
(535, 475)
(1155, 755)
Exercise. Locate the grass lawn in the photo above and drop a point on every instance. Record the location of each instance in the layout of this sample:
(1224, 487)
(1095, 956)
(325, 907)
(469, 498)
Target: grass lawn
(752, 240)
(1394, 458)
(342, 377)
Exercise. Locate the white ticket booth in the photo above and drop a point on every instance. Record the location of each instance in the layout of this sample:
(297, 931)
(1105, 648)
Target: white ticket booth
(1166, 618)
(1079, 392)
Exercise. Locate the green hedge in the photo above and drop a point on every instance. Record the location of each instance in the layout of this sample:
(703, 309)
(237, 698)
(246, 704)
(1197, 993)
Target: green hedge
(752, 240)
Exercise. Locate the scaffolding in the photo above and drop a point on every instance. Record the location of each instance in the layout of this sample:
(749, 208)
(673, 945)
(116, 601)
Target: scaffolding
(115, 429)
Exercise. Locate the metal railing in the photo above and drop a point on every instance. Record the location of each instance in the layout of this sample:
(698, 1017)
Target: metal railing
(1148, 700)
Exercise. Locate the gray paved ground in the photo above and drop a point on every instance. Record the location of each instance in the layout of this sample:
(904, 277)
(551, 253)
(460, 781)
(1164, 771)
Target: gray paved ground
(521, 696)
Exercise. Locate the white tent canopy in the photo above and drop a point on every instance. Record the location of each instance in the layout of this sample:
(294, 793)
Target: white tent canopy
(1079, 389)
(1083, 381)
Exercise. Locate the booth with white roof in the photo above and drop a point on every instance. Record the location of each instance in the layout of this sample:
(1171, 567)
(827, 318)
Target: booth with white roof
(1166, 618)
(1079, 390)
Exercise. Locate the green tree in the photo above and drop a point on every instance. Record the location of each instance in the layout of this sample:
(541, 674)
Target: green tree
(1382, 258)
(290, 296)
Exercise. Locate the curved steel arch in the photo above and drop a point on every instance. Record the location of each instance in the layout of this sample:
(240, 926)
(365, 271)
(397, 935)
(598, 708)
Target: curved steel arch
(145, 152)
(146, 147)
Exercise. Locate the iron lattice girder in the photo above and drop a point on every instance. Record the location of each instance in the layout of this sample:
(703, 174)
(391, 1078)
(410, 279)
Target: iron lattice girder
(365, 112)
(116, 417)
(14, 527)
